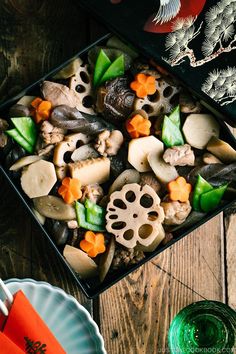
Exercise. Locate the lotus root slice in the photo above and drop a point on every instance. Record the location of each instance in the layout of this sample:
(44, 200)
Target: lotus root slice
(161, 102)
(81, 82)
(134, 215)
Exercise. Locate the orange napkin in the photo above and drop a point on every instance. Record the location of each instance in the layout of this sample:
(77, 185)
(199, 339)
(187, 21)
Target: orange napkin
(27, 330)
(7, 346)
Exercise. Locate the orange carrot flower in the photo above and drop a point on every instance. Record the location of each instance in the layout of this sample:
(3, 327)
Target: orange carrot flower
(143, 85)
(179, 189)
(70, 190)
(138, 126)
(41, 109)
(93, 243)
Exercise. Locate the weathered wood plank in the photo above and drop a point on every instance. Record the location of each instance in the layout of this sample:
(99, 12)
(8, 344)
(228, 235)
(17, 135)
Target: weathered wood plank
(135, 314)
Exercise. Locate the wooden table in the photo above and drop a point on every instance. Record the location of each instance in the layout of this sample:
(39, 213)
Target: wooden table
(134, 315)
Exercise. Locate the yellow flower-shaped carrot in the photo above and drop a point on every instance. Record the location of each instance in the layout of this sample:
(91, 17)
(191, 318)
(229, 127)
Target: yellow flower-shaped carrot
(70, 190)
(143, 85)
(179, 189)
(93, 243)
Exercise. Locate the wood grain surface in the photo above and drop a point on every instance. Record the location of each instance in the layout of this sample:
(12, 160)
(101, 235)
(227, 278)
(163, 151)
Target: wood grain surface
(134, 315)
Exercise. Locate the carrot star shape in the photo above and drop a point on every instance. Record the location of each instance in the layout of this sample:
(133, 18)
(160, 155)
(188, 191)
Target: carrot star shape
(93, 244)
(143, 85)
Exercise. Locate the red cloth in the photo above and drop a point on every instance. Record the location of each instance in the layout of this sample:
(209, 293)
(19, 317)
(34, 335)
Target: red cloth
(27, 330)
(7, 346)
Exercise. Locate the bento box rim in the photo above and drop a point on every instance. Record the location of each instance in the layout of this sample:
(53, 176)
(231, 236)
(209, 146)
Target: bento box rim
(89, 292)
(211, 104)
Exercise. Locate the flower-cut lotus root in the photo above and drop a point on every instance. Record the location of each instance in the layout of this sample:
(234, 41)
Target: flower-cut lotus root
(161, 102)
(134, 215)
(81, 82)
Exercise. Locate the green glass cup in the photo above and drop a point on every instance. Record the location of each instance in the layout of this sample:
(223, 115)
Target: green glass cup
(203, 327)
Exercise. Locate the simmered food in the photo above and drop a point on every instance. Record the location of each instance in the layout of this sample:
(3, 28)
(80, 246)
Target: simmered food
(116, 157)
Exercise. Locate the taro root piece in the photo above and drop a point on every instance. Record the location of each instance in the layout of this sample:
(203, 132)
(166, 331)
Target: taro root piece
(51, 134)
(106, 259)
(69, 70)
(150, 179)
(209, 159)
(68, 145)
(38, 178)
(81, 82)
(108, 142)
(93, 192)
(59, 94)
(188, 104)
(199, 128)
(134, 215)
(80, 262)
(69, 118)
(19, 110)
(91, 171)
(179, 156)
(222, 150)
(54, 208)
(161, 102)
(24, 161)
(139, 150)
(126, 177)
(115, 100)
(176, 212)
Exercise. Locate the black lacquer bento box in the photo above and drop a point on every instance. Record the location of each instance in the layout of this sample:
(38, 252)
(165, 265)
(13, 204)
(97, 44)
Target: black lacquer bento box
(93, 288)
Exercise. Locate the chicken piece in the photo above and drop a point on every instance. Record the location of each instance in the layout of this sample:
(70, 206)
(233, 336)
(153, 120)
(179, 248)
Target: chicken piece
(126, 257)
(51, 134)
(108, 143)
(175, 212)
(94, 192)
(179, 156)
(150, 179)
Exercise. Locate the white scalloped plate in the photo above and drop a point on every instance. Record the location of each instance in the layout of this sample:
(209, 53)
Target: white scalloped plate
(70, 322)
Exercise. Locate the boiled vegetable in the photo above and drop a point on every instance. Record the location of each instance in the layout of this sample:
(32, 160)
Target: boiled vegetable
(54, 208)
(84, 152)
(106, 259)
(210, 200)
(139, 150)
(80, 262)
(38, 178)
(175, 116)
(81, 219)
(42, 109)
(14, 134)
(95, 214)
(27, 128)
(101, 66)
(70, 190)
(201, 186)
(91, 171)
(163, 171)
(24, 161)
(138, 126)
(222, 150)
(93, 244)
(171, 134)
(199, 128)
(116, 69)
(179, 189)
(126, 177)
(143, 85)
